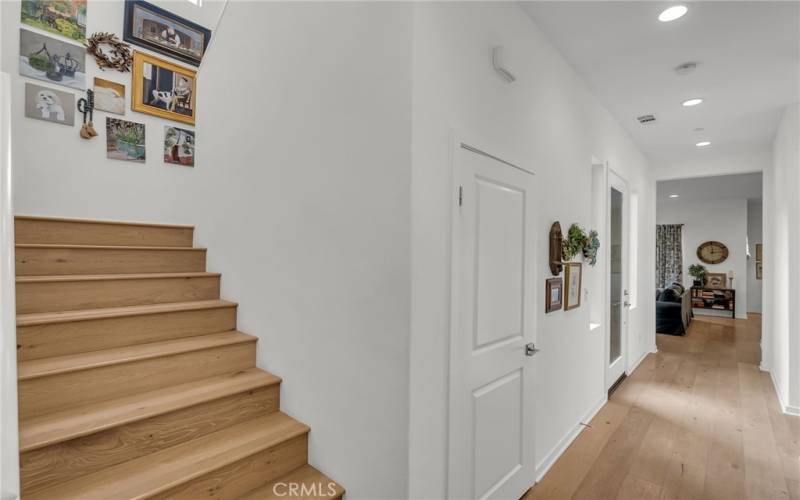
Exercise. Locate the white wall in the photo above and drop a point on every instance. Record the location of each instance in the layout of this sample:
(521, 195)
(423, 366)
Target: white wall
(754, 236)
(9, 433)
(301, 194)
(715, 220)
(62, 174)
(550, 121)
(306, 181)
(781, 342)
(708, 162)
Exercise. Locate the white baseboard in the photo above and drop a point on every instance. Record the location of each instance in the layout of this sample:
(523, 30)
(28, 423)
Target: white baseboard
(567, 440)
(786, 408)
(639, 361)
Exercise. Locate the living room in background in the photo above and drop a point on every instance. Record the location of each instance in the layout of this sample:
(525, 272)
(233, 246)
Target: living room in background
(714, 214)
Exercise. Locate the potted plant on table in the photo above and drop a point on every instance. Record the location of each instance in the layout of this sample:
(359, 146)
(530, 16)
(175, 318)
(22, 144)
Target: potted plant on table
(698, 272)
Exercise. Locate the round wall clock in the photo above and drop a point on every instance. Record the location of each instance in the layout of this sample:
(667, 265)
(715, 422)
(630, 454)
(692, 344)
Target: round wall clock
(712, 252)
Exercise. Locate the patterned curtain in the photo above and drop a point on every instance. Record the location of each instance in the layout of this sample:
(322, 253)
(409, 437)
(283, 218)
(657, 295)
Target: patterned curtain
(669, 254)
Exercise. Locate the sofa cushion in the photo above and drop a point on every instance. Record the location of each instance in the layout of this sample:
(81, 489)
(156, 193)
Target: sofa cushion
(669, 295)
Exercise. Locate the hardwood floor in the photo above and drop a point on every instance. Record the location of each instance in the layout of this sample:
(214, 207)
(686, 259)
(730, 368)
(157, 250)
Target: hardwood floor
(697, 420)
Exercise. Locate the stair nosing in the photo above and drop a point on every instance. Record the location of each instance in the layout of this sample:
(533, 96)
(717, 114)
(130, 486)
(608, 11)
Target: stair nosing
(110, 247)
(262, 379)
(185, 344)
(235, 456)
(100, 221)
(112, 277)
(34, 319)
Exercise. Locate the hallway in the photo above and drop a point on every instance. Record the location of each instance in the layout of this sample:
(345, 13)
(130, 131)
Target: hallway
(697, 420)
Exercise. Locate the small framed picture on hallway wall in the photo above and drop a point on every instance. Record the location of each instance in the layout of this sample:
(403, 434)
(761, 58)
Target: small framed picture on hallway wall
(573, 272)
(554, 294)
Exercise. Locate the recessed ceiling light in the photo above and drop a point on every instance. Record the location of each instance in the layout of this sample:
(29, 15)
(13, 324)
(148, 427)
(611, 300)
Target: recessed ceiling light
(692, 102)
(698, 129)
(672, 13)
(703, 144)
(673, 196)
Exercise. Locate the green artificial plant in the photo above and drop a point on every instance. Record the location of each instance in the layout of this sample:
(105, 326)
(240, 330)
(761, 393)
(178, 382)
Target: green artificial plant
(590, 246)
(698, 272)
(573, 243)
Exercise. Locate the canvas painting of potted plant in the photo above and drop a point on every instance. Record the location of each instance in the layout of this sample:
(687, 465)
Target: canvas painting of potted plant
(64, 17)
(125, 140)
(178, 146)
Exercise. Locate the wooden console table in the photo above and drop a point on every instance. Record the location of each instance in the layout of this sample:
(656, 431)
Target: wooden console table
(716, 299)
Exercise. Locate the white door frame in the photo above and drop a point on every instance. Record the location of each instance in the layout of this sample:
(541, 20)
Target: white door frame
(617, 182)
(465, 143)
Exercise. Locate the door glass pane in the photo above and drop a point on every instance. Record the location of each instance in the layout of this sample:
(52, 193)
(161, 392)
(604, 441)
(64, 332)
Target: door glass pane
(616, 276)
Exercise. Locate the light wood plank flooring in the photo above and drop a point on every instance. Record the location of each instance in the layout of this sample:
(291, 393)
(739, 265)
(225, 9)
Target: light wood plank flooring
(697, 420)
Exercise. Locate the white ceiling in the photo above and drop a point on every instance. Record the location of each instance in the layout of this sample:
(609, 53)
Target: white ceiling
(748, 56)
(711, 188)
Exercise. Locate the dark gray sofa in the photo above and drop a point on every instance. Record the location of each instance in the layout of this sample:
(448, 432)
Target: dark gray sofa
(673, 312)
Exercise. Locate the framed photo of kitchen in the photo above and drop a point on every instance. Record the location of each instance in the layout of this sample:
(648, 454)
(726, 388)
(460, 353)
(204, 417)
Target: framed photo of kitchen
(157, 29)
(163, 89)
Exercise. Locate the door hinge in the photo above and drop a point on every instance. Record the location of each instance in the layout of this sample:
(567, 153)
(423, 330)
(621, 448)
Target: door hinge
(460, 195)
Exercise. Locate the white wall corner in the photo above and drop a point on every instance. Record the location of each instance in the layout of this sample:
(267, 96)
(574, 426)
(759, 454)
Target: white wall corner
(785, 407)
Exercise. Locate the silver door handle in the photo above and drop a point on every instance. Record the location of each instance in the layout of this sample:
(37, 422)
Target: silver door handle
(530, 349)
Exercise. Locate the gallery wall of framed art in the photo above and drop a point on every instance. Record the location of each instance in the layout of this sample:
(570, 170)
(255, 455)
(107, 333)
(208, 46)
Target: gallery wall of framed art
(144, 116)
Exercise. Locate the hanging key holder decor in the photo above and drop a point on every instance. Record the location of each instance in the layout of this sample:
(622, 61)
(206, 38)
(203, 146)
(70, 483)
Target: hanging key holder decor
(86, 107)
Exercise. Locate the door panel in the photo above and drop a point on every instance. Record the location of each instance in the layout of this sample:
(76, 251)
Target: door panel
(491, 398)
(500, 261)
(498, 451)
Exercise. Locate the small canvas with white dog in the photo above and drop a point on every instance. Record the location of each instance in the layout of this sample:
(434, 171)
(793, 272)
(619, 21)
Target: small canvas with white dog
(50, 105)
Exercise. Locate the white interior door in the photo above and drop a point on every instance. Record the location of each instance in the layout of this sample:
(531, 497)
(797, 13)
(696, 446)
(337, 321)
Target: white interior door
(617, 331)
(491, 391)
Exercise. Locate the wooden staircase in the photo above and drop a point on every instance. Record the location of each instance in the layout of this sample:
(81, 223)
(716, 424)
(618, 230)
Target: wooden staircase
(133, 380)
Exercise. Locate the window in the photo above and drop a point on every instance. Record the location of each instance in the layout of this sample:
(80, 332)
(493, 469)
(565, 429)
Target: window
(633, 251)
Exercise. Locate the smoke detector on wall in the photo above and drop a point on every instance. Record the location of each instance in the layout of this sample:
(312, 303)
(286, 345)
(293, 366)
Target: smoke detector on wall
(686, 68)
(646, 119)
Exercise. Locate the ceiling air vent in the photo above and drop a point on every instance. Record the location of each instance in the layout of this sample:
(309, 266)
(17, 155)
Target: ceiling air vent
(646, 119)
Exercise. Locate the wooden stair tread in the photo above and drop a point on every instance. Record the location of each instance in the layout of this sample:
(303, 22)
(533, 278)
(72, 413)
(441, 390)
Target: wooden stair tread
(61, 426)
(46, 367)
(109, 277)
(109, 247)
(111, 312)
(99, 221)
(167, 469)
(318, 486)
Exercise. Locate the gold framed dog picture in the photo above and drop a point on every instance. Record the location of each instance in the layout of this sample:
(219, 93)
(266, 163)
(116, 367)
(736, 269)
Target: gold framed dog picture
(163, 89)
